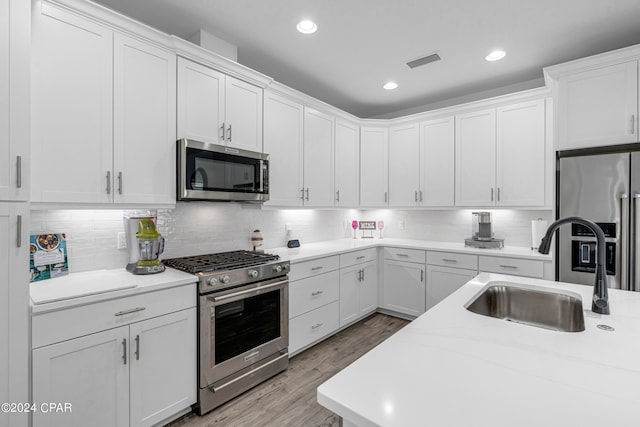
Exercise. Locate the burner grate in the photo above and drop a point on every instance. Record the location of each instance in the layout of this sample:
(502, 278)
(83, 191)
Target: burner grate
(220, 261)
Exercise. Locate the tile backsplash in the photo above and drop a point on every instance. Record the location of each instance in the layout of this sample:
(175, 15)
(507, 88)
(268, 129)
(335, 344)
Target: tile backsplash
(203, 227)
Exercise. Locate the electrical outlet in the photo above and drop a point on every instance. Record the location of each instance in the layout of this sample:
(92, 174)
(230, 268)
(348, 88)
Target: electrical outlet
(401, 224)
(122, 240)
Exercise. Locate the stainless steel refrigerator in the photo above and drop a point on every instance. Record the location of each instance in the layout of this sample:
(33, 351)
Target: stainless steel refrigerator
(605, 188)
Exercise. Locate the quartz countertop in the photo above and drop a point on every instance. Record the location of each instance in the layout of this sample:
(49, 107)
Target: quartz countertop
(333, 247)
(99, 285)
(452, 367)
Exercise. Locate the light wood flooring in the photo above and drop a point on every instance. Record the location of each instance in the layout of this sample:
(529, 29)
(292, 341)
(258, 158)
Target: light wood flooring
(289, 398)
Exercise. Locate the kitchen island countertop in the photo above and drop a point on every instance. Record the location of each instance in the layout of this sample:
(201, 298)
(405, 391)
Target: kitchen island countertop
(452, 367)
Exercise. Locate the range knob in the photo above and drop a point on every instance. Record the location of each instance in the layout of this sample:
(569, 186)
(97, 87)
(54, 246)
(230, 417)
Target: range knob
(225, 279)
(212, 281)
(253, 273)
(277, 268)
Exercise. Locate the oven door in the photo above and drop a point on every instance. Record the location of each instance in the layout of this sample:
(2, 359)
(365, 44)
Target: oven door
(241, 326)
(218, 172)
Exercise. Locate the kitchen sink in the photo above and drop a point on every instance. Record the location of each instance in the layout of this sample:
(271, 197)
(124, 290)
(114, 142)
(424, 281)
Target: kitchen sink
(533, 306)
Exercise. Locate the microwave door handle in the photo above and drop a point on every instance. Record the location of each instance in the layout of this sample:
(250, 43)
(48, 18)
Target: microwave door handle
(261, 176)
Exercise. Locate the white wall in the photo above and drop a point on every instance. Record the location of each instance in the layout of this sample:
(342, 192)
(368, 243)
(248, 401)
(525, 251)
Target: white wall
(201, 227)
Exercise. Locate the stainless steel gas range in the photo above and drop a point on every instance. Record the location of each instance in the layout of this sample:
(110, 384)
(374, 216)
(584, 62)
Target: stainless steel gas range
(243, 330)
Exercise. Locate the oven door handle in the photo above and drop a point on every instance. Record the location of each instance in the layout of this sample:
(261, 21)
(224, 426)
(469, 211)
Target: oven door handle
(248, 291)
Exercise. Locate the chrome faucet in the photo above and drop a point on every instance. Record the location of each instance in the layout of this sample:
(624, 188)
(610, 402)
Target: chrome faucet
(600, 301)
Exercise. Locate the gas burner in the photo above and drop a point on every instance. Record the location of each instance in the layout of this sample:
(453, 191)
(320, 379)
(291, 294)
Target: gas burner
(219, 261)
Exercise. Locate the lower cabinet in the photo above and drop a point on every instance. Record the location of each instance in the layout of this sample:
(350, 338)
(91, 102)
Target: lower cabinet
(443, 281)
(403, 289)
(358, 291)
(313, 326)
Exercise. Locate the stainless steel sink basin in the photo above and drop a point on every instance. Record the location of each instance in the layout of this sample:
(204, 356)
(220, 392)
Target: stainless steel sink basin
(560, 311)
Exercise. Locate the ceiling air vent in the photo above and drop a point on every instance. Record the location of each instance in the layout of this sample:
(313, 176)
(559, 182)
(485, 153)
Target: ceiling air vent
(424, 60)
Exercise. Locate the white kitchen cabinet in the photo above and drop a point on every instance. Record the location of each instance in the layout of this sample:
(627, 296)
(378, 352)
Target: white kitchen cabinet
(598, 106)
(403, 290)
(15, 35)
(358, 285)
(437, 162)
(404, 166)
(283, 128)
(346, 164)
(318, 158)
(521, 172)
(218, 109)
(443, 281)
(106, 99)
(14, 306)
(475, 158)
(374, 166)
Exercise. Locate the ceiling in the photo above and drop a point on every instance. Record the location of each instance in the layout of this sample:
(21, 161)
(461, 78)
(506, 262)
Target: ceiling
(362, 44)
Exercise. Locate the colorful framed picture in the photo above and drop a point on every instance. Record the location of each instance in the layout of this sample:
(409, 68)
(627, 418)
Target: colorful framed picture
(47, 256)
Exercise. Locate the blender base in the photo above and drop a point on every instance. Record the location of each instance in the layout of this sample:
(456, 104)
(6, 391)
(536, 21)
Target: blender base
(151, 269)
(485, 244)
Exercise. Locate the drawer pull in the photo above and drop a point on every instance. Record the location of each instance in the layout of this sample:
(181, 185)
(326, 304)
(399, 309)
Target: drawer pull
(403, 255)
(361, 257)
(317, 268)
(509, 266)
(124, 350)
(133, 310)
(449, 260)
(316, 293)
(316, 326)
(137, 352)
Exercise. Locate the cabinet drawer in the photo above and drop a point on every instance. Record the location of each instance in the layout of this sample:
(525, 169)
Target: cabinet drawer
(313, 326)
(56, 326)
(300, 270)
(358, 257)
(313, 292)
(452, 259)
(410, 255)
(515, 266)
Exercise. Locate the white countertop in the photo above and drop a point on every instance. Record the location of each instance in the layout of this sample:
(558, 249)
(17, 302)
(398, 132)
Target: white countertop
(452, 367)
(333, 247)
(99, 285)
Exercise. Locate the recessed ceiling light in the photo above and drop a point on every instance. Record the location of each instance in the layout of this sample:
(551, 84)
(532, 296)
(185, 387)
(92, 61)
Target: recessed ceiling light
(307, 27)
(495, 55)
(390, 85)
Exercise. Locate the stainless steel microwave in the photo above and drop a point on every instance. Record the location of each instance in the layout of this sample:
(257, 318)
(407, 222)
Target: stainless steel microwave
(221, 173)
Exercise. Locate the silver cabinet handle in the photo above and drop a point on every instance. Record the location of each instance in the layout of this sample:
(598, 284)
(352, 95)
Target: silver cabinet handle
(316, 293)
(316, 326)
(108, 182)
(498, 194)
(133, 310)
(338, 196)
(421, 275)
(359, 275)
(416, 196)
(512, 267)
(224, 132)
(624, 242)
(307, 196)
(403, 255)
(362, 274)
(124, 350)
(302, 193)
(361, 257)
(19, 172)
(633, 124)
(19, 231)
(492, 194)
(137, 352)
(421, 195)
(119, 182)
(450, 260)
(229, 133)
(317, 268)
(385, 197)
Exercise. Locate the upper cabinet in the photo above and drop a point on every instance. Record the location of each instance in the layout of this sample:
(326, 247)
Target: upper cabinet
(217, 108)
(500, 156)
(374, 142)
(598, 106)
(437, 162)
(103, 114)
(14, 100)
(318, 158)
(404, 166)
(346, 164)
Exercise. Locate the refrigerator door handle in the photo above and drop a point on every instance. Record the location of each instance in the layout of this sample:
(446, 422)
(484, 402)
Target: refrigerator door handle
(624, 242)
(635, 249)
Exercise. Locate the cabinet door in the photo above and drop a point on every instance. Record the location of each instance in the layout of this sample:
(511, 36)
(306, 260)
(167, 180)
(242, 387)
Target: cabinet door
(476, 158)
(14, 306)
(369, 288)
(404, 165)
(349, 294)
(374, 167)
(283, 143)
(15, 36)
(520, 179)
(163, 353)
(347, 164)
(91, 373)
(443, 281)
(437, 162)
(404, 287)
(598, 107)
(200, 102)
(144, 122)
(72, 75)
(318, 158)
(243, 115)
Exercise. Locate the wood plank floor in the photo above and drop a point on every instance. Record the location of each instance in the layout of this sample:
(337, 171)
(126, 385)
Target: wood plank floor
(289, 398)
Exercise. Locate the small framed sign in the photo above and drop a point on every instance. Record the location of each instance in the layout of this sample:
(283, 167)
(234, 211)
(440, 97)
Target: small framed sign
(367, 228)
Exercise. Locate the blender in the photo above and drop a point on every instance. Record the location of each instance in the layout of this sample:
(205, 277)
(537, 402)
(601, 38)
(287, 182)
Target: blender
(144, 243)
(482, 232)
